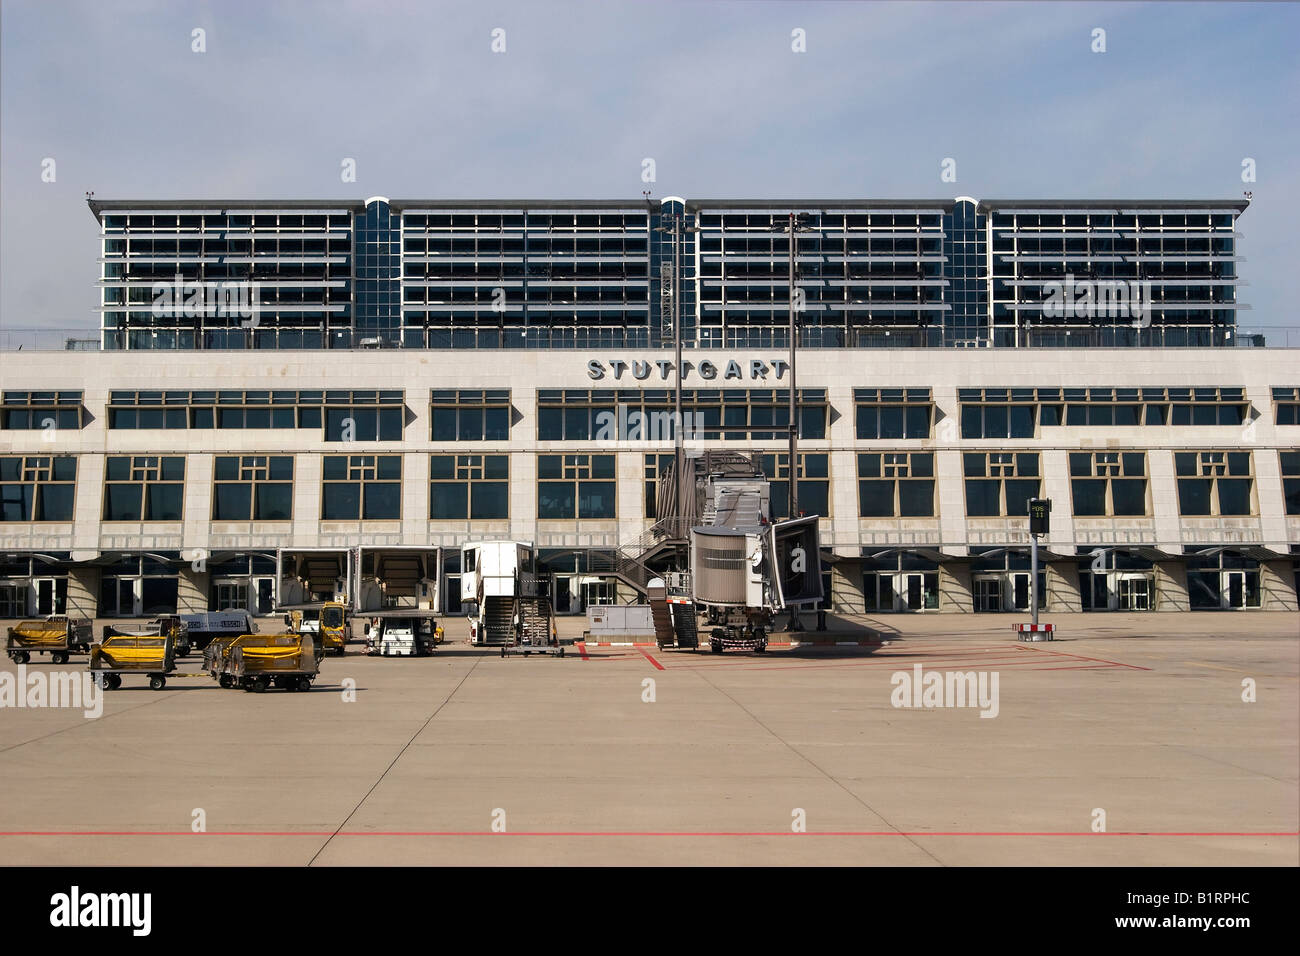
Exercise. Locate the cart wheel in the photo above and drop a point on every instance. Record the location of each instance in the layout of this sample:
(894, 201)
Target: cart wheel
(561, 652)
(259, 685)
(715, 647)
(20, 657)
(503, 652)
(157, 682)
(117, 680)
(304, 683)
(225, 680)
(342, 651)
(759, 648)
(58, 657)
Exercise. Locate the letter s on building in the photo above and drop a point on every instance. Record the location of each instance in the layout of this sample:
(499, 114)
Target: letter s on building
(595, 369)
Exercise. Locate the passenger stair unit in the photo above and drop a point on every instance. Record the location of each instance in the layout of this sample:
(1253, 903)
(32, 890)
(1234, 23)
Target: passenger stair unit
(498, 620)
(532, 618)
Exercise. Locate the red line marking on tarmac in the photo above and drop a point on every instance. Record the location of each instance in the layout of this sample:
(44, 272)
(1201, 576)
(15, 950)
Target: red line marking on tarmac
(1079, 657)
(645, 833)
(582, 649)
(647, 656)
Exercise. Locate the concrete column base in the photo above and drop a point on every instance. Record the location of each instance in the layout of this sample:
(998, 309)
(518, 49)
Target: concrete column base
(1171, 586)
(955, 588)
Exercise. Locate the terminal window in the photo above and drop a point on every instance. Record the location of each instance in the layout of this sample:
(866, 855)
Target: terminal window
(365, 487)
(37, 487)
(473, 487)
(144, 488)
(814, 488)
(1000, 484)
(25, 411)
(252, 488)
(896, 485)
(575, 486)
(1214, 483)
(1108, 483)
(1290, 461)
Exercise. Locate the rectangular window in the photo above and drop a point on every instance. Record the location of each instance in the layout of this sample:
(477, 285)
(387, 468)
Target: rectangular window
(37, 411)
(892, 412)
(144, 488)
(470, 415)
(813, 490)
(896, 485)
(656, 468)
(365, 487)
(252, 488)
(998, 421)
(1212, 483)
(37, 487)
(1291, 480)
(469, 487)
(1000, 483)
(575, 486)
(1108, 483)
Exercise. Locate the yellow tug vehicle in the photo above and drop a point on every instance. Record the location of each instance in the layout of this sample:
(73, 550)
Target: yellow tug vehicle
(255, 662)
(151, 655)
(57, 635)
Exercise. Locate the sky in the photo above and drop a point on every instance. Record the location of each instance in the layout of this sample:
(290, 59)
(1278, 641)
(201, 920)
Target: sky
(715, 93)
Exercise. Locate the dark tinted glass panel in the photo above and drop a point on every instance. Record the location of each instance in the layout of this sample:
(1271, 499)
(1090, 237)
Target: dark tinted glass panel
(916, 499)
(876, 499)
(1194, 496)
(230, 502)
(16, 502)
(1018, 494)
(274, 502)
(596, 499)
(448, 501)
(163, 502)
(1089, 496)
(1234, 496)
(490, 499)
(122, 502)
(55, 503)
(383, 501)
(1129, 496)
(982, 498)
(341, 501)
(555, 499)
(496, 426)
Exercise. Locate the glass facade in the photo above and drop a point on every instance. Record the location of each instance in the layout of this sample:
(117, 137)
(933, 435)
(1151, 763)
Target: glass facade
(584, 275)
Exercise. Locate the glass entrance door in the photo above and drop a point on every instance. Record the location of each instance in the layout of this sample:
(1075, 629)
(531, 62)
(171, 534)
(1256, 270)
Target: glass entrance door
(51, 596)
(265, 595)
(988, 594)
(914, 589)
(1135, 593)
(1234, 588)
(1020, 590)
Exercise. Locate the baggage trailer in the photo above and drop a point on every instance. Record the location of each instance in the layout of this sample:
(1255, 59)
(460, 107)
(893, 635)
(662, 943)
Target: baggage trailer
(156, 628)
(287, 661)
(153, 656)
(58, 635)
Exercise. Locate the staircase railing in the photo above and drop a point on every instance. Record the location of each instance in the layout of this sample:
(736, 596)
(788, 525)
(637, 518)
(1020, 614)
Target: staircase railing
(629, 556)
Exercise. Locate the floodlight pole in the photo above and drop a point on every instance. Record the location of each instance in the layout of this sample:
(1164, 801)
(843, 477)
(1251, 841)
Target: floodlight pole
(794, 422)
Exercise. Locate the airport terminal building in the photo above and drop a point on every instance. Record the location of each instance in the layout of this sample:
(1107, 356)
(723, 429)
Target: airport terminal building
(300, 400)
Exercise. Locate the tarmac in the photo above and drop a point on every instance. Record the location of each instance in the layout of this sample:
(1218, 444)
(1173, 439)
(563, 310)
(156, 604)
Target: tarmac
(1126, 741)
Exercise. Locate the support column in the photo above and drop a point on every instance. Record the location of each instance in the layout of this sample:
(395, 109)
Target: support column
(191, 590)
(1171, 586)
(83, 591)
(1276, 586)
(955, 588)
(846, 587)
(1063, 586)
